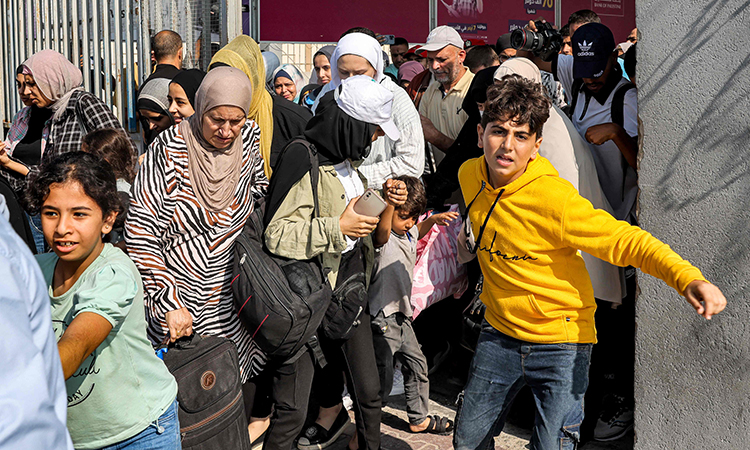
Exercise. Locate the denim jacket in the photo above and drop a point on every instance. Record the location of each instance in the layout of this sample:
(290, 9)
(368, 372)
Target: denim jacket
(293, 233)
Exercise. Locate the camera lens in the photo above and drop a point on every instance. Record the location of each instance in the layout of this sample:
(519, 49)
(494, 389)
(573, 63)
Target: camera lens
(518, 39)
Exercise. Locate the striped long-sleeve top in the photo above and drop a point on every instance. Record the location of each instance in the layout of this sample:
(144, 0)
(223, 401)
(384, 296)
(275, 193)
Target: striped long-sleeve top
(184, 251)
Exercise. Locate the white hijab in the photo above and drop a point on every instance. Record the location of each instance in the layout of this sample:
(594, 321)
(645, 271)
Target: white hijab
(358, 44)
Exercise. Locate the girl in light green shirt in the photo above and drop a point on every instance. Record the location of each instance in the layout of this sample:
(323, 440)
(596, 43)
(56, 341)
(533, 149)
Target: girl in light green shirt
(119, 392)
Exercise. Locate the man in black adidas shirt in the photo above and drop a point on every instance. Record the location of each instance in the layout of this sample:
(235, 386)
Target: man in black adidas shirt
(604, 110)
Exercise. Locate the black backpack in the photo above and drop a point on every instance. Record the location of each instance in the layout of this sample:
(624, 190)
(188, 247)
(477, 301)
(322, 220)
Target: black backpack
(282, 301)
(209, 393)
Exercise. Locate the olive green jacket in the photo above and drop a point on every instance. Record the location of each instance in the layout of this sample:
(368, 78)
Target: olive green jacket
(293, 233)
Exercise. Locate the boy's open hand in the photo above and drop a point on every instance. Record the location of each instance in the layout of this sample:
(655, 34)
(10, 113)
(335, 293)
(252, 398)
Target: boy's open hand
(395, 192)
(443, 219)
(706, 298)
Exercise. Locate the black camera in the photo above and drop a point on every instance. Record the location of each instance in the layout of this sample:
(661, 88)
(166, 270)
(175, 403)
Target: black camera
(544, 43)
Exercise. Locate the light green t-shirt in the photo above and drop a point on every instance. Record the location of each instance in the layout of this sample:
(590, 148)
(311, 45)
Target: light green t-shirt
(123, 386)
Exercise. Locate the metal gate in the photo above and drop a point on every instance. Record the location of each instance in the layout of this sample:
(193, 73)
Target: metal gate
(109, 40)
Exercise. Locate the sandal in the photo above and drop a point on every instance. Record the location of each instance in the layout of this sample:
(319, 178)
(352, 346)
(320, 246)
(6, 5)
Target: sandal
(315, 437)
(441, 426)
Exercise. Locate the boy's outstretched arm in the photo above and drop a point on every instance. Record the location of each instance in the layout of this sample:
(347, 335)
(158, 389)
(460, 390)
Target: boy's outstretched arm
(601, 235)
(441, 219)
(706, 298)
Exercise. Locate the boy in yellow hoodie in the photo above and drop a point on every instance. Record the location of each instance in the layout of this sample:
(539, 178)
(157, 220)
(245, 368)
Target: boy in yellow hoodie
(539, 324)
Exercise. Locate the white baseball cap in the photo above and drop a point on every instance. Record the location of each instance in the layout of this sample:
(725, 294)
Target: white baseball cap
(364, 99)
(441, 37)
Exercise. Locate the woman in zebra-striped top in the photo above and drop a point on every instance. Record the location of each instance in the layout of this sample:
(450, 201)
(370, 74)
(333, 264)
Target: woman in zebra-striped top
(190, 200)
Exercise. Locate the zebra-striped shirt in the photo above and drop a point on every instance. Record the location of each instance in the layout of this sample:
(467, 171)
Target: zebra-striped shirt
(184, 251)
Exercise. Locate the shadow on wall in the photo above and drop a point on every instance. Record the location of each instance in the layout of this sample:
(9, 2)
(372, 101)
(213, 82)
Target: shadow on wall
(714, 118)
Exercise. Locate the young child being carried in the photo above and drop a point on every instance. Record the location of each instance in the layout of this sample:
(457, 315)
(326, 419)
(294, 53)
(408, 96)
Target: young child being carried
(529, 225)
(395, 240)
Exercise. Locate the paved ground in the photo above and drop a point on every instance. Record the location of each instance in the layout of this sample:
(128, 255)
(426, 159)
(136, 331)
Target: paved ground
(396, 435)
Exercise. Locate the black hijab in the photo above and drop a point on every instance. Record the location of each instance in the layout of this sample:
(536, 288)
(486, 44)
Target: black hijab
(336, 137)
(190, 80)
(478, 92)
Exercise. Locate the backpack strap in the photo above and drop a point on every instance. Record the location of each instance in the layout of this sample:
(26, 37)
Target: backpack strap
(313, 345)
(575, 90)
(312, 152)
(618, 103)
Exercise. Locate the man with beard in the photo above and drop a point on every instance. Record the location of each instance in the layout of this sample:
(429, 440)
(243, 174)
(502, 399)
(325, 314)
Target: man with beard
(440, 108)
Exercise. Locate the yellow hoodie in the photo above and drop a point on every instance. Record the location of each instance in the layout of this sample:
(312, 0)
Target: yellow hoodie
(536, 286)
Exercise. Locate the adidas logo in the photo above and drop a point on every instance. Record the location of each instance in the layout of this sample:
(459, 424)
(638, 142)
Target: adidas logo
(585, 46)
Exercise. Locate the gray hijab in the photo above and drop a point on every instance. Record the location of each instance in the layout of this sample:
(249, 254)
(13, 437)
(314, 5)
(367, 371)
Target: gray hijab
(215, 172)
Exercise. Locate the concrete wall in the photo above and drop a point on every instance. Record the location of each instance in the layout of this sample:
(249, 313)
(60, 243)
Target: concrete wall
(692, 375)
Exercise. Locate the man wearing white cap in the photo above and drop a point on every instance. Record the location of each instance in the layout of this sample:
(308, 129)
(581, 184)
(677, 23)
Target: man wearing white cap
(440, 108)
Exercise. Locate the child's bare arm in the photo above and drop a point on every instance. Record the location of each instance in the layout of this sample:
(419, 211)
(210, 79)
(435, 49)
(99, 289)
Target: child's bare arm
(383, 230)
(441, 219)
(80, 339)
(395, 194)
(706, 298)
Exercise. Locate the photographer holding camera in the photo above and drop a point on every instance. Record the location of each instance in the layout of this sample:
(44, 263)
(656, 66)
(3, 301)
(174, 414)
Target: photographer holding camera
(604, 110)
(594, 81)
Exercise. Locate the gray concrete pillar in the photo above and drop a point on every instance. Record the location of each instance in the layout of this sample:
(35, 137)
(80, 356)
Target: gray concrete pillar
(692, 375)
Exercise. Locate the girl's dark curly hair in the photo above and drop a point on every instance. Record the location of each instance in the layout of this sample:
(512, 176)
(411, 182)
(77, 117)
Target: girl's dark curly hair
(113, 146)
(93, 174)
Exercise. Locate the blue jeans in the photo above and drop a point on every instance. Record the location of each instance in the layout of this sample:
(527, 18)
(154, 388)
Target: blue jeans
(35, 223)
(558, 375)
(161, 434)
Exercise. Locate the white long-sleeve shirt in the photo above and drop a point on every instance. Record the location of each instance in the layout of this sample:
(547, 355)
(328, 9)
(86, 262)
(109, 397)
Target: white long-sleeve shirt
(403, 157)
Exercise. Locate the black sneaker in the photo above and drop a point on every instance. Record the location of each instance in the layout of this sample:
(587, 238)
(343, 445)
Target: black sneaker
(315, 437)
(615, 420)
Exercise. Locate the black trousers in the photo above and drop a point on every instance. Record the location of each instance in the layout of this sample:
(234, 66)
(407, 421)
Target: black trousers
(286, 386)
(354, 358)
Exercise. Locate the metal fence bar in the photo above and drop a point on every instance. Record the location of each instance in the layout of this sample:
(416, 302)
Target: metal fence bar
(118, 99)
(38, 43)
(29, 31)
(65, 29)
(107, 47)
(97, 53)
(187, 38)
(17, 59)
(12, 46)
(74, 34)
(58, 44)
(41, 25)
(6, 87)
(130, 69)
(85, 49)
(206, 36)
(144, 47)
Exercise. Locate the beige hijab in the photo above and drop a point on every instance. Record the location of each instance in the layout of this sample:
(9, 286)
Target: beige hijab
(215, 172)
(56, 77)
